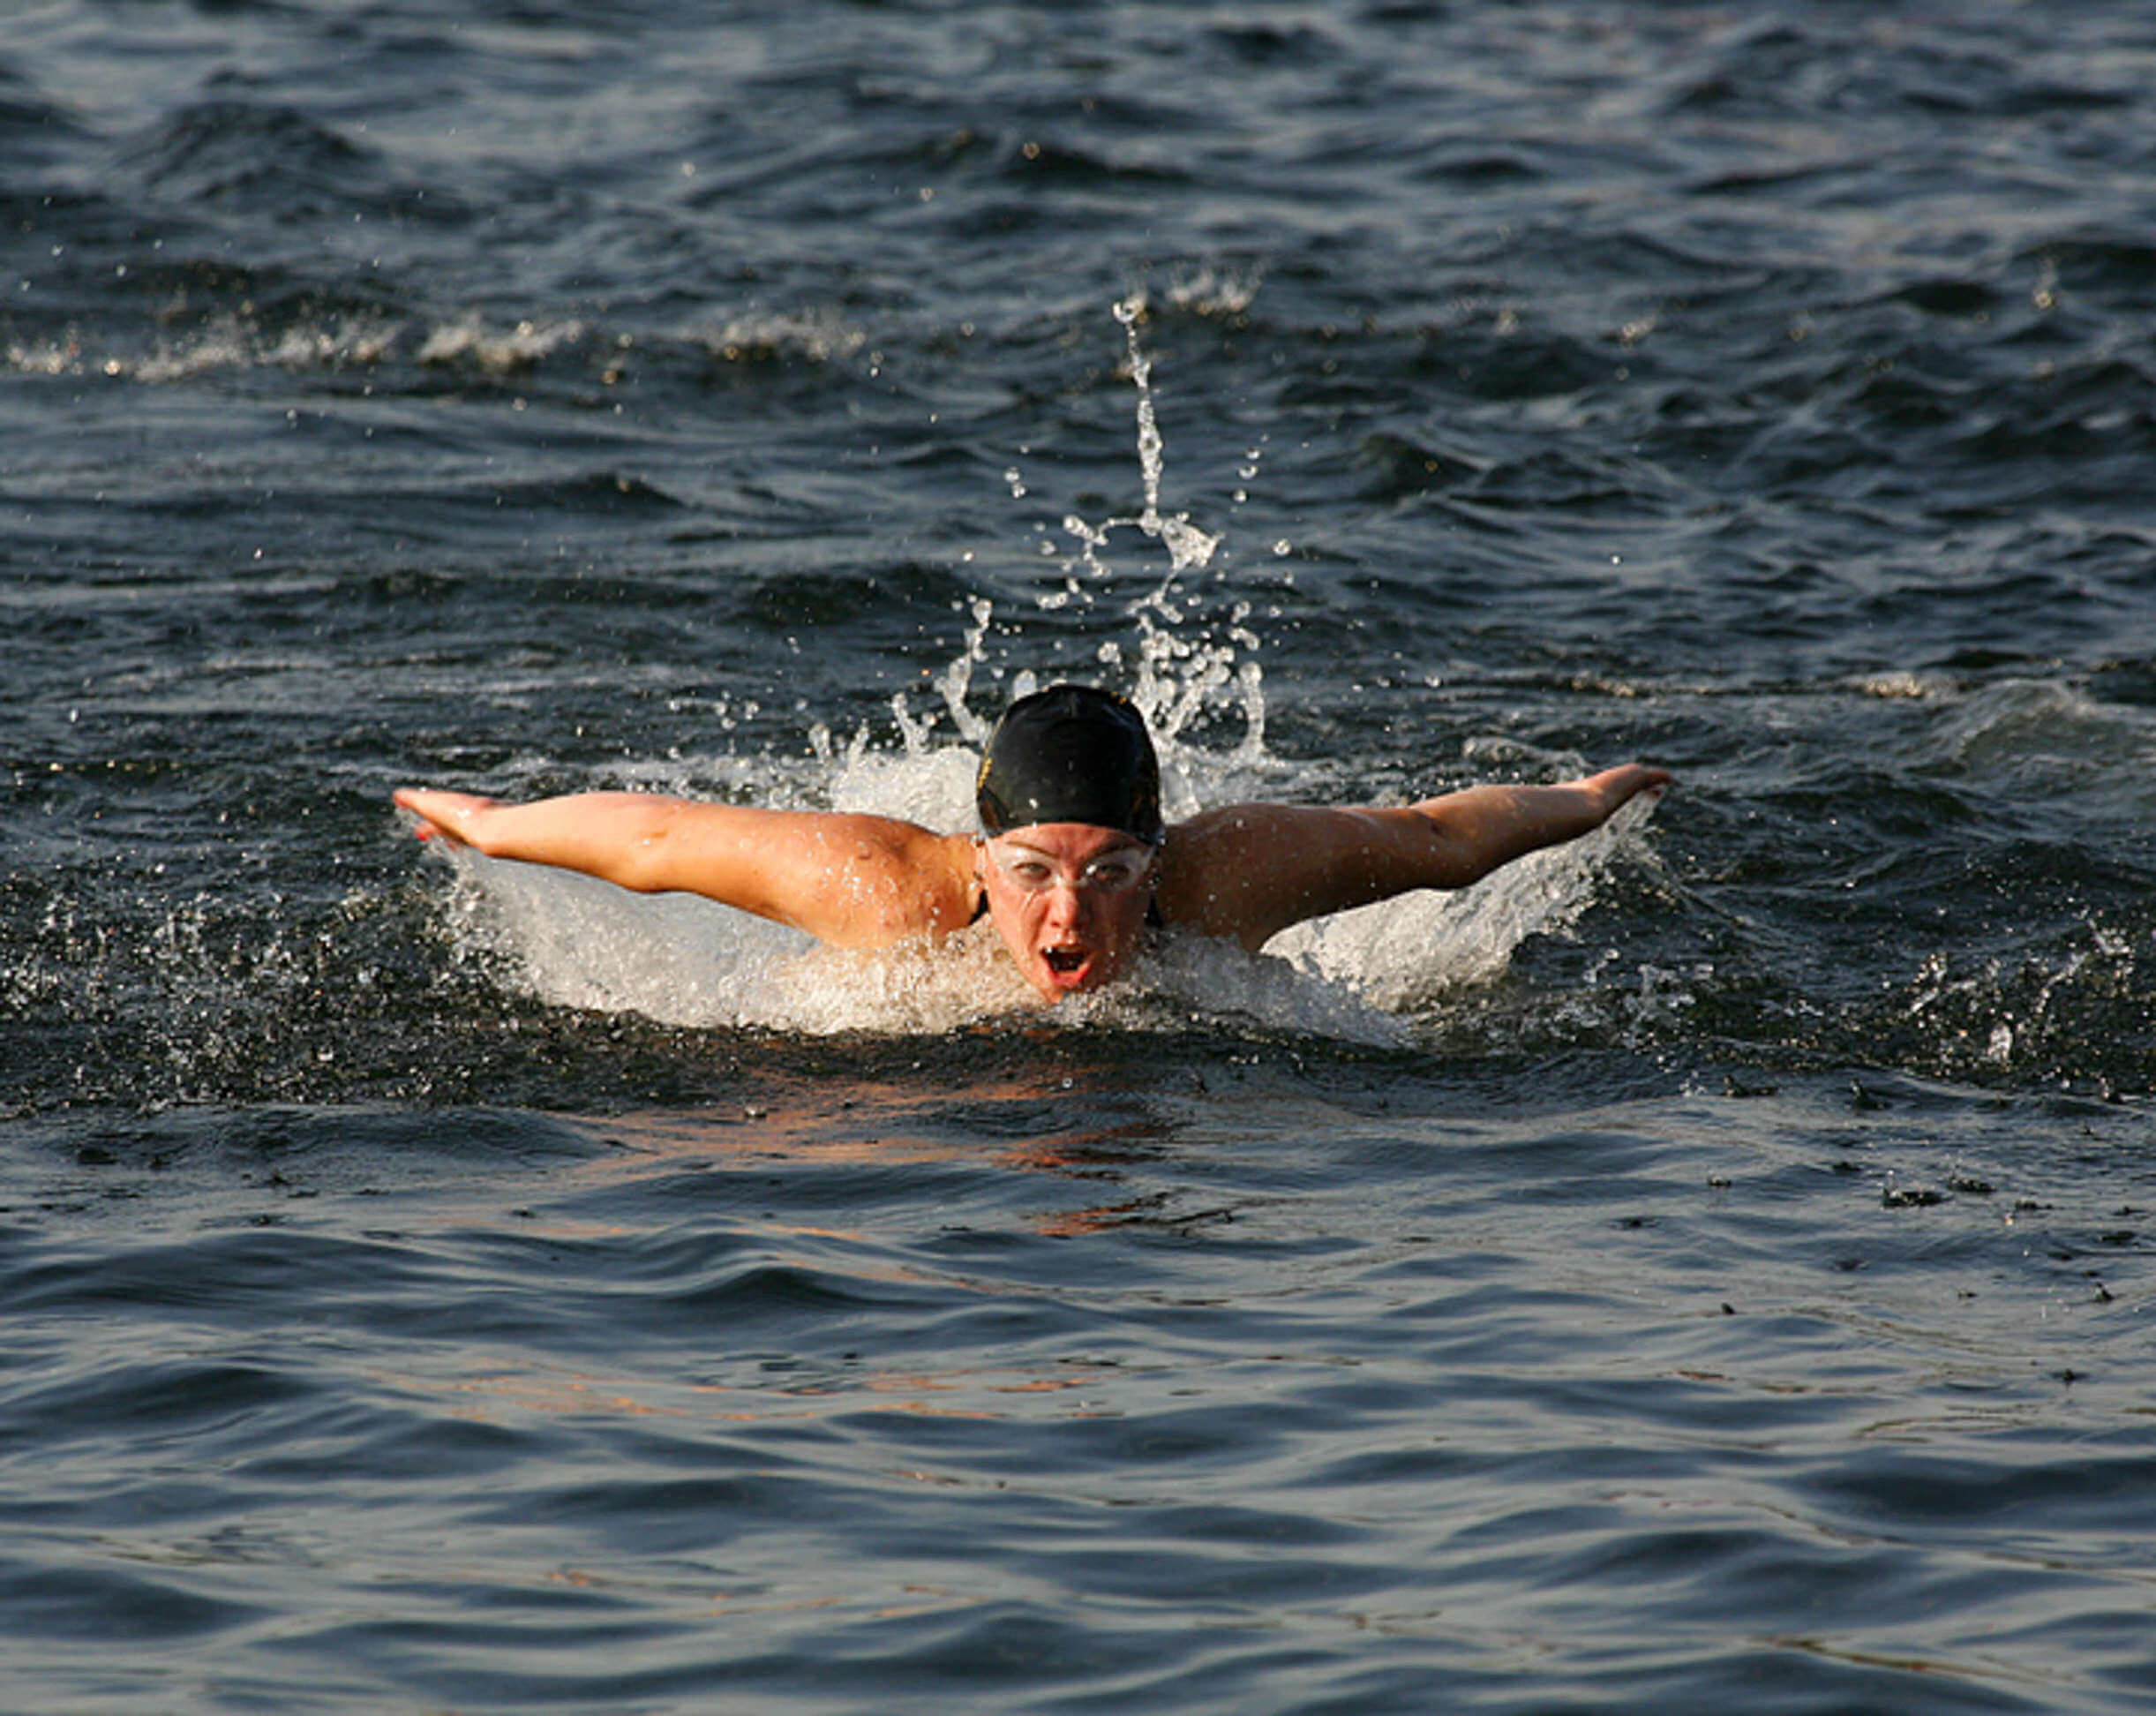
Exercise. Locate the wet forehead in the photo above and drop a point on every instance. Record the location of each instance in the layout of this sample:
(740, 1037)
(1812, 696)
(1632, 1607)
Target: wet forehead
(1070, 843)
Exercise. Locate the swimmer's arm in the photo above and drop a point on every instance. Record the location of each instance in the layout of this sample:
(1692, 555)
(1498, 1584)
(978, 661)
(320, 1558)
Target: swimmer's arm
(855, 881)
(1250, 871)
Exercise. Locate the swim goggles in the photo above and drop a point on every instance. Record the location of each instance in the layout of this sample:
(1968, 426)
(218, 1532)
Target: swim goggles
(1032, 871)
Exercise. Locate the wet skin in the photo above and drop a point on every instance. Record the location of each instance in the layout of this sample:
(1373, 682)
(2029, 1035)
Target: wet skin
(1052, 896)
(1069, 899)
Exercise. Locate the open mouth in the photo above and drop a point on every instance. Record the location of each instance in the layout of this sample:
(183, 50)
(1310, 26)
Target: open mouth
(1064, 961)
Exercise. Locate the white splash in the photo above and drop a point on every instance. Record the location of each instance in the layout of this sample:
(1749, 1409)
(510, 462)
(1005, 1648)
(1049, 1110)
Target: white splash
(1358, 976)
(1187, 545)
(1404, 954)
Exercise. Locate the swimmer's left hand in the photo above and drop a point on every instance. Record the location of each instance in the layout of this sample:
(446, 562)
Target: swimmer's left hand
(1626, 781)
(443, 816)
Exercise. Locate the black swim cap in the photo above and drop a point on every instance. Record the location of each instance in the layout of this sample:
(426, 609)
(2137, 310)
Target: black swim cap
(1071, 754)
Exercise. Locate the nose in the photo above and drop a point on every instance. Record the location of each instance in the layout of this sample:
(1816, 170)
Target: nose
(1066, 902)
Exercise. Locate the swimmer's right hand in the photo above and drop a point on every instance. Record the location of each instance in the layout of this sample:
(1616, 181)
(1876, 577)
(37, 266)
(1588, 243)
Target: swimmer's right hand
(445, 816)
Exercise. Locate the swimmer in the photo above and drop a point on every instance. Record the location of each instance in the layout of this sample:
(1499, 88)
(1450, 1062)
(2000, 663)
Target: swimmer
(1072, 864)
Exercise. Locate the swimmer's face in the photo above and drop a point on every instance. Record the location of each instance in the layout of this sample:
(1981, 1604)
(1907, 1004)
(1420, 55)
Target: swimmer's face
(1070, 900)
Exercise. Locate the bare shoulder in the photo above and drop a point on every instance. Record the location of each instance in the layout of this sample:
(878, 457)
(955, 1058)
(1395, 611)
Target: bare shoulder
(1247, 872)
(870, 881)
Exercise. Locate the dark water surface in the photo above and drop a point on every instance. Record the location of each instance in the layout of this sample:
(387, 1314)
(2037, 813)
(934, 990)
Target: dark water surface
(1705, 1271)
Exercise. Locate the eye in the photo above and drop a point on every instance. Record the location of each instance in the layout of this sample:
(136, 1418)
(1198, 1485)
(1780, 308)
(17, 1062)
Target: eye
(1115, 873)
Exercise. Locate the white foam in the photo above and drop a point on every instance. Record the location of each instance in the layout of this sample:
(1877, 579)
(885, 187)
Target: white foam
(1360, 975)
(237, 342)
(818, 337)
(1403, 954)
(498, 351)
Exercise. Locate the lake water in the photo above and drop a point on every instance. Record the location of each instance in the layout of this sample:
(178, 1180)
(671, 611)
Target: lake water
(1703, 1269)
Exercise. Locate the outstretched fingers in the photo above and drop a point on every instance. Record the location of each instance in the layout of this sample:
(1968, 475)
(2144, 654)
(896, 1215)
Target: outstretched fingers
(1619, 786)
(442, 814)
